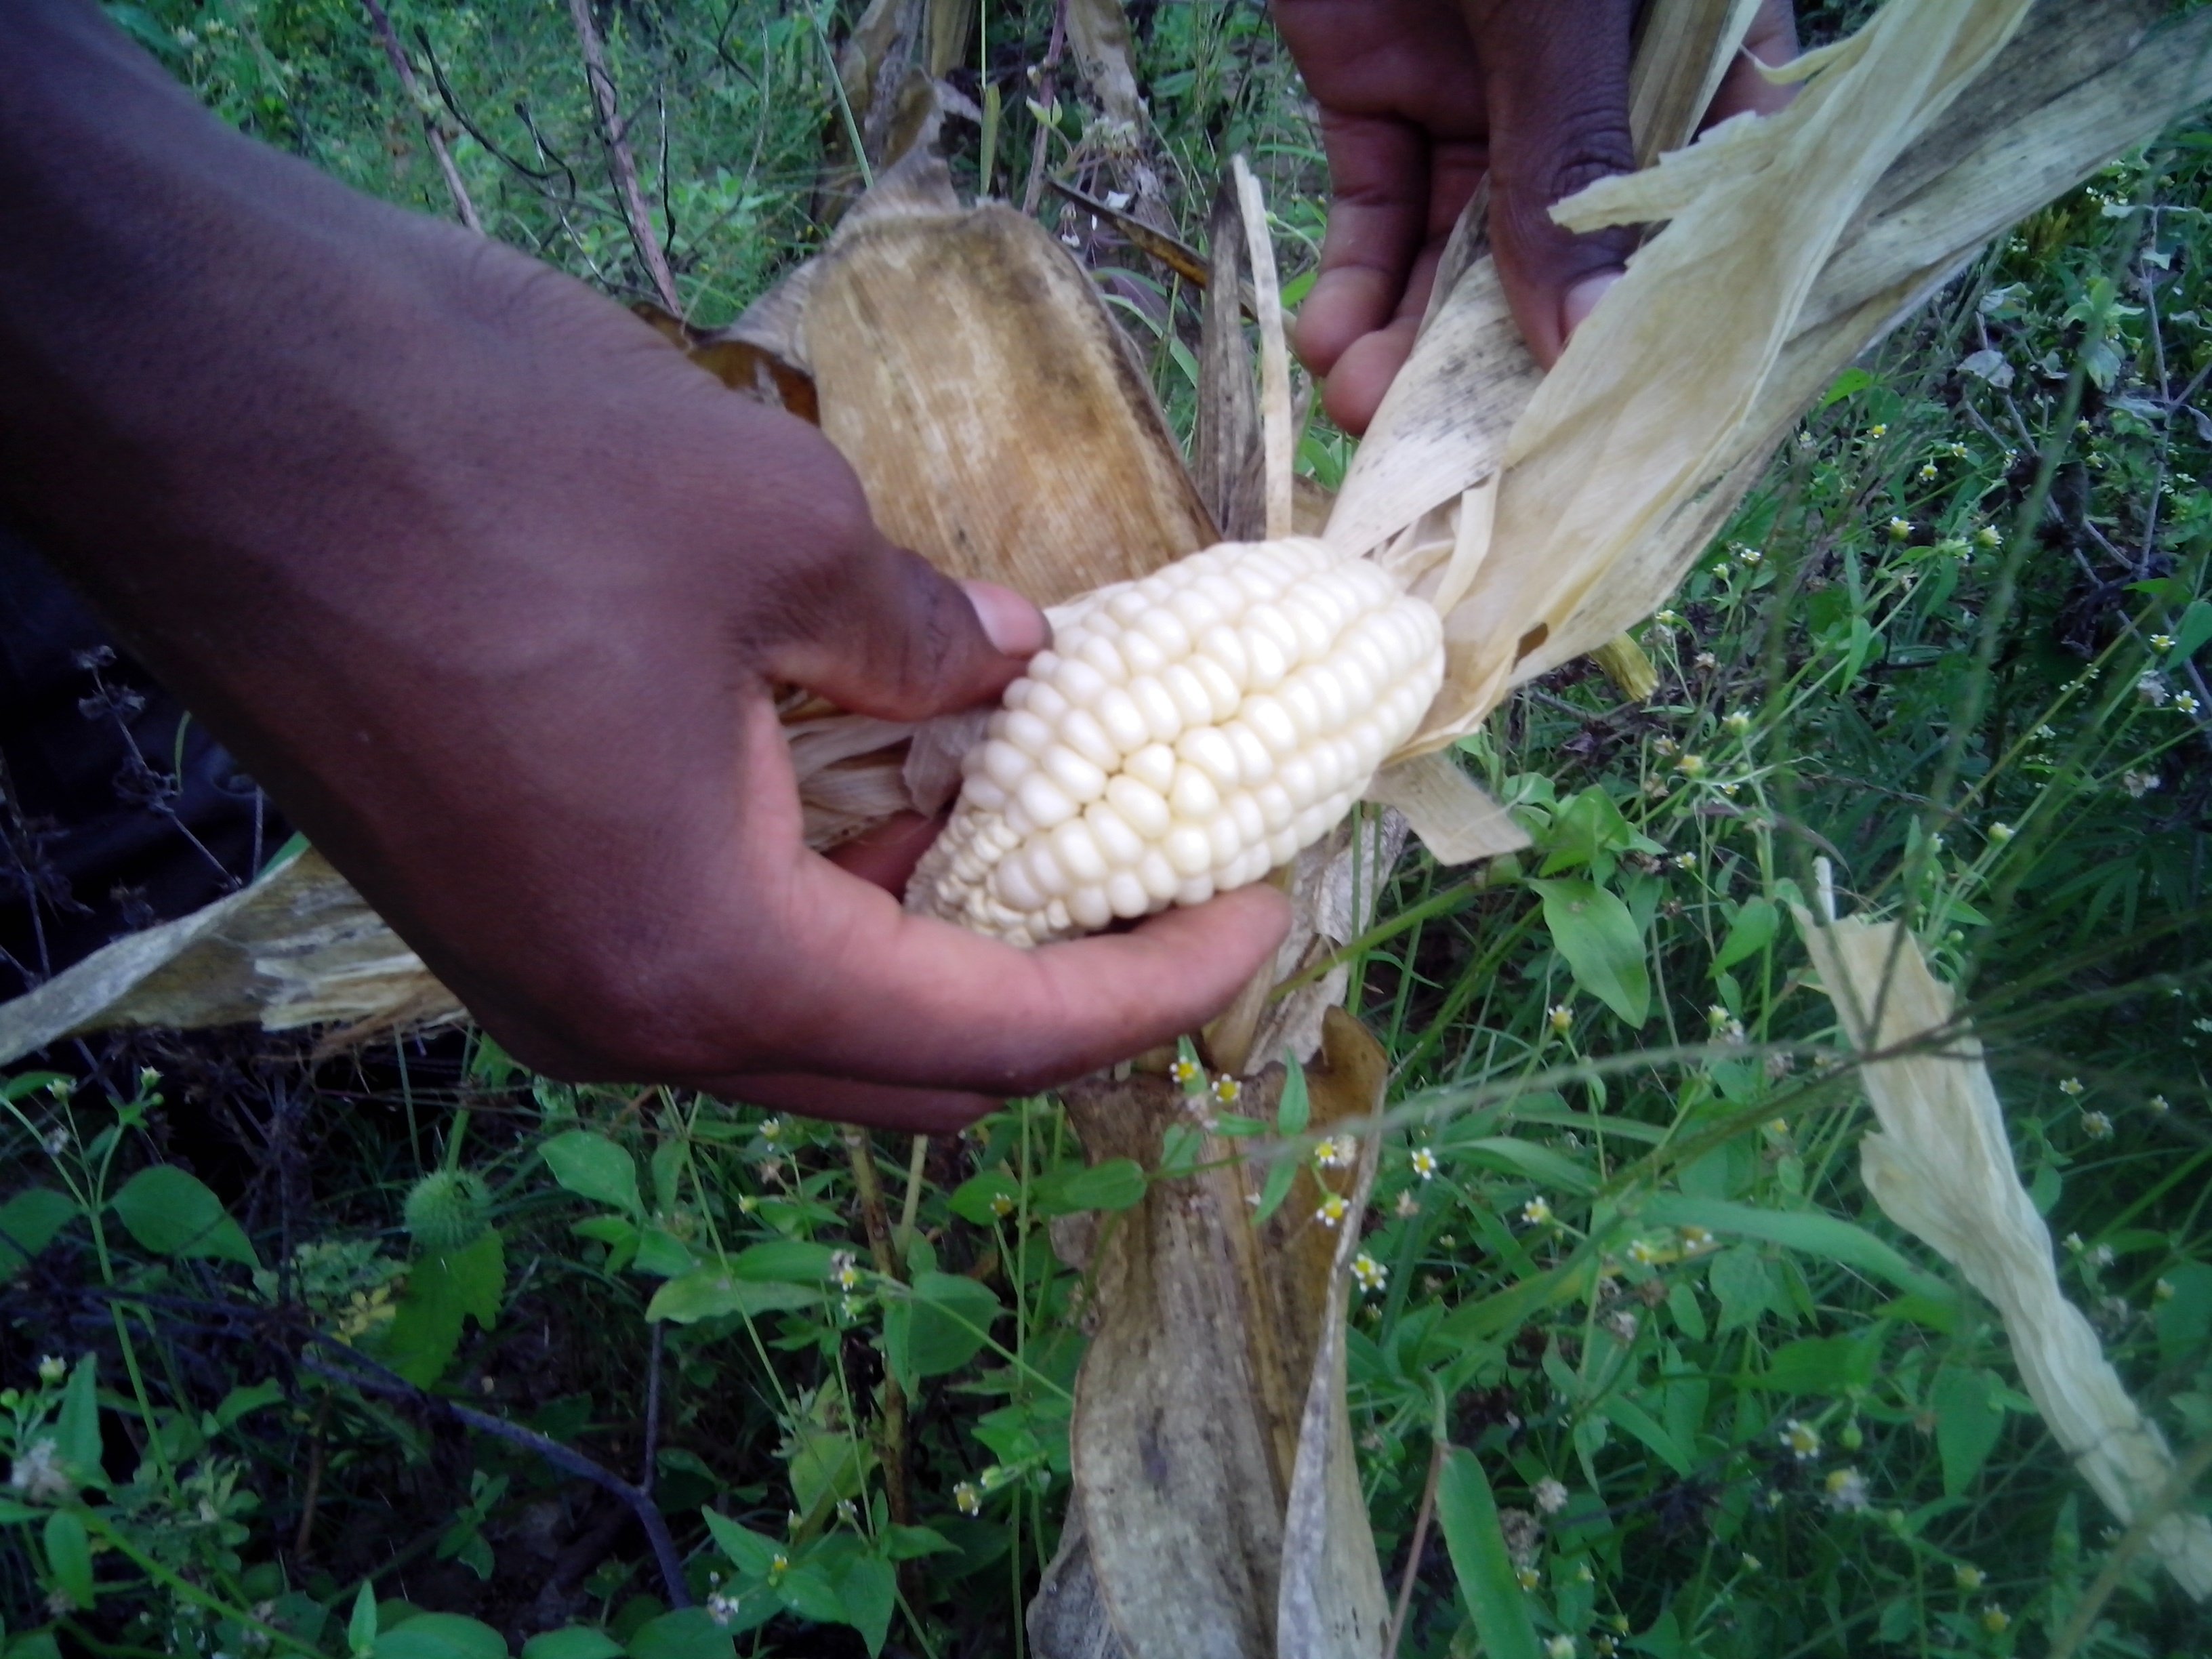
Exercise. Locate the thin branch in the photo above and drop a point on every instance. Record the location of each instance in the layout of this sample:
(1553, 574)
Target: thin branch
(622, 166)
(360, 1373)
(389, 39)
(1413, 1556)
(876, 1219)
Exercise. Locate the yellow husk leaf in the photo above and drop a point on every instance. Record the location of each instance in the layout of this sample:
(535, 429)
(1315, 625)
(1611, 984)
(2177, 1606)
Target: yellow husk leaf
(1941, 1167)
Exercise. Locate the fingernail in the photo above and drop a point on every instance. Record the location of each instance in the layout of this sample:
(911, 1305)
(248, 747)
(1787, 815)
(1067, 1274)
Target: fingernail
(1015, 626)
(1581, 299)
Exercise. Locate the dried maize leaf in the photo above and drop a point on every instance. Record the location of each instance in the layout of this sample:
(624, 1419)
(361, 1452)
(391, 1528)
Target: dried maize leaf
(1189, 1408)
(299, 947)
(1225, 450)
(970, 374)
(1941, 1167)
(1683, 48)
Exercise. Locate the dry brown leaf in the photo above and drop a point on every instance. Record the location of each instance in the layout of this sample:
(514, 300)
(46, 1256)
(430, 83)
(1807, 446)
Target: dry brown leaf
(1683, 48)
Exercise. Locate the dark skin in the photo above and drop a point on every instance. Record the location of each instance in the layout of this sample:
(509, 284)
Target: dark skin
(490, 587)
(1420, 100)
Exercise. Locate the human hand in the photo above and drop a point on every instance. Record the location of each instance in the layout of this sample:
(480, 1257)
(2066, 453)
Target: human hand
(1420, 99)
(489, 586)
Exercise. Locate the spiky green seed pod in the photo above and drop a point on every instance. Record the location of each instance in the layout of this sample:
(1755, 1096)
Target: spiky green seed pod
(447, 1209)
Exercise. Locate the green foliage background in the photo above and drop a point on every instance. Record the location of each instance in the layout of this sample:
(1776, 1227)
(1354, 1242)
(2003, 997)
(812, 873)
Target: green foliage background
(1954, 644)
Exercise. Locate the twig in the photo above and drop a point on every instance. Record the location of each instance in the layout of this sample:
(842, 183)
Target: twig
(876, 1219)
(916, 1167)
(1420, 1542)
(365, 1374)
(653, 1406)
(305, 1534)
(622, 166)
(389, 39)
(1033, 192)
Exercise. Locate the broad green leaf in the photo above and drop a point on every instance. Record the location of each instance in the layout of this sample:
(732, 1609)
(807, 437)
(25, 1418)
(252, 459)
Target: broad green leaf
(1640, 1423)
(1495, 1601)
(826, 1466)
(939, 1327)
(667, 1166)
(1743, 1282)
(869, 1591)
(1595, 931)
(246, 1398)
(751, 1552)
(69, 1556)
(1116, 1184)
(1968, 1423)
(1821, 1364)
(443, 1289)
(571, 1642)
(1751, 931)
(982, 1199)
(809, 1595)
(712, 1293)
(784, 1262)
(1526, 1157)
(1847, 384)
(1808, 1232)
(592, 1166)
(173, 1213)
(29, 1222)
(905, 1543)
(2191, 632)
(2185, 1318)
(661, 1253)
(441, 1635)
(686, 1633)
(1277, 1188)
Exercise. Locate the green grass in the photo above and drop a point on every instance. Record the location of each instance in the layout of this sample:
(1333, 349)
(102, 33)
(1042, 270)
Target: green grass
(1896, 658)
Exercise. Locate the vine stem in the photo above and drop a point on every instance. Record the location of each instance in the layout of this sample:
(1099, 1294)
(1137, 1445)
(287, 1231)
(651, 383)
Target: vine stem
(388, 38)
(622, 166)
(875, 1217)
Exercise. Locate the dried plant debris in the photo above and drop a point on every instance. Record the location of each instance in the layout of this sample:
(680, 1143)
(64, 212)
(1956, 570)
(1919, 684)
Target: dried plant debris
(1941, 1166)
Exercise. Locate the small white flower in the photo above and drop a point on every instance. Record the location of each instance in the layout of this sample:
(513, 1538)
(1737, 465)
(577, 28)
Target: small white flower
(2101, 1256)
(1551, 1495)
(1407, 1205)
(2000, 834)
(1562, 1017)
(37, 1471)
(1987, 534)
(2070, 1087)
(1928, 474)
(2159, 1104)
(2072, 1244)
(1847, 1491)
(1643, 1252)
(1968, 1578)
(1736, 721)
(2139, 784)
(1622, 1325)
(1226, 1089)
(51, 1368)
(844, 1269)
(1560, 1647)
(2185, 702)
(1667, 618)
(1337, 1151)
(771, 1130)
(1002, 1204)
(1425, 1162)
(1332, 1210)
(2153, 690)
(1800, 1439)
(1697, 1240)
(56, 1141)
(2096, 1125)
(1185, 1072)
(1537, 1211)
(2161, 642)
(1900, 528)
(1371, 1274)
(1752, 555)
(968, 1497)
(723, 1608)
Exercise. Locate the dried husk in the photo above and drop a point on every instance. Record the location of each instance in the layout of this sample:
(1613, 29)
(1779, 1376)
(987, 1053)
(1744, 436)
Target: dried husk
(1942, 1167)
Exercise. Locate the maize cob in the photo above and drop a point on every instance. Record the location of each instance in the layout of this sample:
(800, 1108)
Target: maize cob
(1186, 734)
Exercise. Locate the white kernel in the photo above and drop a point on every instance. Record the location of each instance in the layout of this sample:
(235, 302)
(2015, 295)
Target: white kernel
(1157, 875)
(1196, 890)
(1193, 796)
(1187, 850)
(1088, 908)
(1268, 622)
(1056, 917)
(1045, 665)
(1045, 801)
(1268, 718)
(1077, 850)
(1300, 780)
(1164, 625)
(1081, 730)
(1251, 863)
(1153, 766)
(1314, 822)
(1260, 574)
(1121, 845)
(1251, 823)
(1081, 684)
(1266, 662)
(1254, 763)
(1006, 765)
(1043, 869)
(1222, 644)
(1145, 658)
(1047, 702)
(1128, 604)
(1083, 781)
(1127, 894)
(981, 791)
(1192, 701)
(1027, 732)
(1316, 625)
(1161, 718)
(1098, 652)
(1141, 808)
(1124, 721)
(1016, 695)
(1223, 597)
(1283, 846)
(1204, 747)
(1331, 695)
(1223, 843)
(1222, 693)
(1303, 706)
(1011, 882)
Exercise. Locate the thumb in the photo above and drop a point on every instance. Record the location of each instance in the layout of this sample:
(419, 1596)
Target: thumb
(1556, 80)
(887, 634)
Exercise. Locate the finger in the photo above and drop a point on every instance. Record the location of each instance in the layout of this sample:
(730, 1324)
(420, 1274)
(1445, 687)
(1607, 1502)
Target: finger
(1557, 79)
(893, 997)
(1378, 214)
(842, 1100)
(878, 630)
(1770, 40)
(885, 855)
